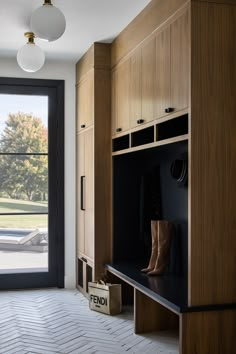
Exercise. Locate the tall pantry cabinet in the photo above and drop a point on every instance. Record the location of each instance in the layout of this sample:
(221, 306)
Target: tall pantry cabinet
(93, 147)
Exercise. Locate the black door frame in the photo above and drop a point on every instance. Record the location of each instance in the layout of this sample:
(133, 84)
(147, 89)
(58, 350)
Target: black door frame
(54, 89)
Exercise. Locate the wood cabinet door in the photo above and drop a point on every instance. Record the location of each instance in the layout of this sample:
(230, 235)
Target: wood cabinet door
(135, 94)
(180, 49)
(79, 200)
(89, 193)
(162, 77)
(85, 102)
(120, 98)
(148, 79)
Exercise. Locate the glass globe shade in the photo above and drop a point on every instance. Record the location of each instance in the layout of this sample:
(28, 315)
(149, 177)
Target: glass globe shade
(30, 57)
(48, 23)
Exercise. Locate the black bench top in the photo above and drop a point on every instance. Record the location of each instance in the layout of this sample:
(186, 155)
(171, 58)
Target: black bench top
(170, 291)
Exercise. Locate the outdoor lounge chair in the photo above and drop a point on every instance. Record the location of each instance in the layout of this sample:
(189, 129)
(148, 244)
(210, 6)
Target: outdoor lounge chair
(35, 241)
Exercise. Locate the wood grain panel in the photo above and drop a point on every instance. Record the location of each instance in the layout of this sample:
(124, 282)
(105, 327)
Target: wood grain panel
(180, 59)
(154, 14)
(208, 332)
(80, 213)
(85, 64)
(212, 242)
(89, 193)
(135, 94)
(102, 147)
(85, 101)
(162, 79)
(120, 84)
(150, 316)
(148, 81)
(98, 55)
(114, 102)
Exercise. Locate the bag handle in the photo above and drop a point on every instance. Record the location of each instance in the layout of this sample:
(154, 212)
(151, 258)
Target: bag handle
(101, 282)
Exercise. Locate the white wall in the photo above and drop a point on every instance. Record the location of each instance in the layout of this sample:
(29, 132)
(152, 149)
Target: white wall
(59, 71)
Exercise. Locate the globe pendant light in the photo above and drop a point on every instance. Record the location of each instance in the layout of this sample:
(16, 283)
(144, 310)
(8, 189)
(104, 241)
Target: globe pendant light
(48, 22)
(30, 57)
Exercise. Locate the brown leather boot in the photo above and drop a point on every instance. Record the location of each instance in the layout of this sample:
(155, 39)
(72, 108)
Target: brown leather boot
(154, 253)
(164, 235)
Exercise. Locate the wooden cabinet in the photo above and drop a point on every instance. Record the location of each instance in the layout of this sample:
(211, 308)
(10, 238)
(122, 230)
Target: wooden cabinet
(93, 166)
(120, 97)
(154, 80)
(85, 183)
(85, 101)
(135, 88)
(195, 46)
(148, 82)
(162, 77)
(180, 57)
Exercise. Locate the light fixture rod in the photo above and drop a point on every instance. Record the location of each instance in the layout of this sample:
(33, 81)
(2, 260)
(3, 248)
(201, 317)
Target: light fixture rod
(30, 36)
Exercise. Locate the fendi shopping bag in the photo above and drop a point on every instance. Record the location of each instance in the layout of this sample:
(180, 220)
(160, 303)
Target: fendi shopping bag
(105, 297)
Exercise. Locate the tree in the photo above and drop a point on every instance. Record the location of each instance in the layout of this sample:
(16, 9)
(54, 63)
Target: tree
(23, 175)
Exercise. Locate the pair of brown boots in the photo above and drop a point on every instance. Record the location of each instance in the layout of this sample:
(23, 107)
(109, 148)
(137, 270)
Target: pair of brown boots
(162, 232)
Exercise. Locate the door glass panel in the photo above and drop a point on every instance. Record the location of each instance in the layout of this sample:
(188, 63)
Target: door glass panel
(23, 183)
(23, 124)
(23, 243)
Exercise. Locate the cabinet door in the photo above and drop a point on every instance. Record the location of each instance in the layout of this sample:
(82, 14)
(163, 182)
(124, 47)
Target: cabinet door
(148, 81)
(80, 176)
(162, 78)
(135, 95)
(120, 98)
(85, 102)
(89, 193)
(180, 62)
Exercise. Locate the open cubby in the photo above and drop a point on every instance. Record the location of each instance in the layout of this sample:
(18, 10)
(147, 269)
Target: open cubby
(135, 175)
(80, 272)
(142, 137)
(120, 143)
(172, 128)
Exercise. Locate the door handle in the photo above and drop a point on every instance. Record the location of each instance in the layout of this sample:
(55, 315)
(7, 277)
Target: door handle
(82, 193)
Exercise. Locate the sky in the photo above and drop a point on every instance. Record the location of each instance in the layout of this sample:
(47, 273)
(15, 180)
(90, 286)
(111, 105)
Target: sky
(37, 105)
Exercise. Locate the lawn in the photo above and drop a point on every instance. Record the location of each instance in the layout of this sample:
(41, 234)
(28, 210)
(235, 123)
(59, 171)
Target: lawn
(22, 221)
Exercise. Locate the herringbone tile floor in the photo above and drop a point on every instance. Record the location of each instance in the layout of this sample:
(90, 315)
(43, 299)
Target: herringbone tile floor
(59, 321)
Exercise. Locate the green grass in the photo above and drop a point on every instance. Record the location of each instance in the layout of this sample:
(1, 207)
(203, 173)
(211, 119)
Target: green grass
(22, 221)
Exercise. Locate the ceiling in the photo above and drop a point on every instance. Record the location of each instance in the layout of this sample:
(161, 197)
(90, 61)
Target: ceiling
(88, 21)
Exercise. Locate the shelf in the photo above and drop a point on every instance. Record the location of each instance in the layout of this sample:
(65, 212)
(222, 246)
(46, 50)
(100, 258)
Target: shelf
(151, 145)
(121, 143)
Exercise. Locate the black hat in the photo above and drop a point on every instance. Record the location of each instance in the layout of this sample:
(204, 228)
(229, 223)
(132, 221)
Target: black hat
(179, 170)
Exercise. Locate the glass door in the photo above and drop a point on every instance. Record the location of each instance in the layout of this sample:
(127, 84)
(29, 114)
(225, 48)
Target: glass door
(30, 240)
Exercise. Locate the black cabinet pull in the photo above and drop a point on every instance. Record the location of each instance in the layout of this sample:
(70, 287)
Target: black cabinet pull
(140, 121)
(84, 259)
(82, 193)
(83, 126)
(118, 130)
(169, 110)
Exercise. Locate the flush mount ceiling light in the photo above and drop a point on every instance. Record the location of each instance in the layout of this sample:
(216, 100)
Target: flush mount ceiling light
(48, 22)
(30, 57)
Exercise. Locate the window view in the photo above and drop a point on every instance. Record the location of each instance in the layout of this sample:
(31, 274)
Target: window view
(23, 183)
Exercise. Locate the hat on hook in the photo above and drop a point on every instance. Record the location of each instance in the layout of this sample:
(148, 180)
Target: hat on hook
(179, 170)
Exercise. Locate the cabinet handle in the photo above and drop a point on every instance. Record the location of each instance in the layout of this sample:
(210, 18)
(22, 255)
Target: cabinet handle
(84, 259)
(83, 126)
(140, 121)
(118, 130)
(169, 110)
(82, 193)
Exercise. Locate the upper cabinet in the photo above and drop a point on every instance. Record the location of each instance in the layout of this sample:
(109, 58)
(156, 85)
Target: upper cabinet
(120, 98)
(85, 101)
(154, 80)
(180, 58)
